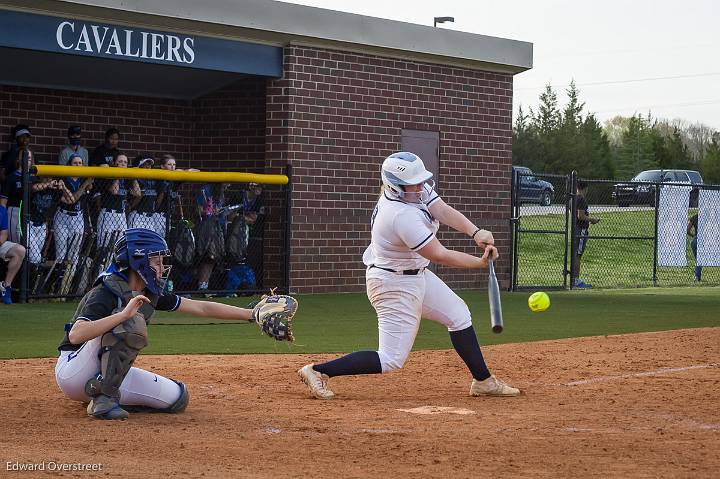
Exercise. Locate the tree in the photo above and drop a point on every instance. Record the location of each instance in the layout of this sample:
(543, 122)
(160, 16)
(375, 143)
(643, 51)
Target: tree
(710, 162)
(527, 149)
(635, 152)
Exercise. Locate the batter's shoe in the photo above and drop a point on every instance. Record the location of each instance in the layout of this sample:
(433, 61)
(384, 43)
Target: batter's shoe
(492, 387)
(317, 382)
(106, 407)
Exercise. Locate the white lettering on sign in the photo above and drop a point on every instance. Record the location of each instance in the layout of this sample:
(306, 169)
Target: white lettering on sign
(105, 40)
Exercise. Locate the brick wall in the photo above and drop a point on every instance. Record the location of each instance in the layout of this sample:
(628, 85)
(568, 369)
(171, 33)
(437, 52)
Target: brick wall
(223, 130)
(336, 115)
(146, 124)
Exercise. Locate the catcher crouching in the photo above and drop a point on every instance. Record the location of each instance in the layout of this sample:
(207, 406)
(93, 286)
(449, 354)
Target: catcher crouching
(109, 329)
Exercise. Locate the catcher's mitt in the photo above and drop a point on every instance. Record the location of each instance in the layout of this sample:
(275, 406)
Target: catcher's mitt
(274, 315)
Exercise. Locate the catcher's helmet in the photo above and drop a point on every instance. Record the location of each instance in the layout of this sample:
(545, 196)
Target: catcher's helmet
(134, 249)
(404, 169)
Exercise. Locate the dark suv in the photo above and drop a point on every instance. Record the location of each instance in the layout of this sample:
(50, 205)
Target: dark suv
(637, 193)
(533, 190)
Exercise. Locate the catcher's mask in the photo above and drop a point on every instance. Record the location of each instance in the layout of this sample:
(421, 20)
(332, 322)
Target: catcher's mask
(406, 169)
(134, 250)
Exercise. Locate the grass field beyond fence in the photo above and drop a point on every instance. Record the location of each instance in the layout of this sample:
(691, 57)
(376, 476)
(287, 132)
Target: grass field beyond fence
(606, 263)
(346, 322)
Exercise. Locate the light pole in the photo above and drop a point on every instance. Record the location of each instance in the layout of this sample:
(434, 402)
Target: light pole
(442, 20)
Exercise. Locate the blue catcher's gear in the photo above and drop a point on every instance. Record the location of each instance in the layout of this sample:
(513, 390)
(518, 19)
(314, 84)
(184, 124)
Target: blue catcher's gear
(405, 169)
(134, 249)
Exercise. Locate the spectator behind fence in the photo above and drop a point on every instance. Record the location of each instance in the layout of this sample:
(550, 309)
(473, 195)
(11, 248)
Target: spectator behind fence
(12, 253)
(12, 196)
(692, 230)
(583, 223)
(105, 154)
(20, 149)
(44, 194)
(112, 219)
(167, 194)
(143, 207)
(210, 237)
(69, 225)
(74, 134)
(254, 213)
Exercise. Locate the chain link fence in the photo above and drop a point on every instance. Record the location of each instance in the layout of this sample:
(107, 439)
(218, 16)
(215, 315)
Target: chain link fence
(636, 233)
(227, 239)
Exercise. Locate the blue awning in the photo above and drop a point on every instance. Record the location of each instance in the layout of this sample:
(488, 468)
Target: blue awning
(60, 52)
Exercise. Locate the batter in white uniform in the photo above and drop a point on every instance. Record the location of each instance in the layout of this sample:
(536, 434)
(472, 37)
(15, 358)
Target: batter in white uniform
(402, 290)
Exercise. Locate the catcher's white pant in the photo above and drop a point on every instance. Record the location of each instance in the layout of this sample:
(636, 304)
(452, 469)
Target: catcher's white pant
(69, 231)
(139, 388)
(108, 223)
(400, 301)
(36, 241)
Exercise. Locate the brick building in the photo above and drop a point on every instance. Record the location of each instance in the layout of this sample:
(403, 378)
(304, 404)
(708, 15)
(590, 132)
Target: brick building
(254, 85)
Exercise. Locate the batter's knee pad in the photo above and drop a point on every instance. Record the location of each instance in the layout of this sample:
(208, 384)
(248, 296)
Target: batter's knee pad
(391, 363)
(120, 347)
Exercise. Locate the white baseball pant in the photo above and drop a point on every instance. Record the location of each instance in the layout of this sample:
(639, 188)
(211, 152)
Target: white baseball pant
(68, 230)
(108, 223)
(401, 301)
(139, 388)
(36, 241)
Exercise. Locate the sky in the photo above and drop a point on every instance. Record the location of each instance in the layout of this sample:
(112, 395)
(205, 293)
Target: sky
(626, 57)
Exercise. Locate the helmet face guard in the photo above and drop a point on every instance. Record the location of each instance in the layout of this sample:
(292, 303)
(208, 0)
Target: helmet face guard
(134, 250)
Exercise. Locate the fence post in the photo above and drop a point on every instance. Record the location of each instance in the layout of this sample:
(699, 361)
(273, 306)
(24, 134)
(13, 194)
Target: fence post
(514, 226)
(655, 241)
(24, 216)
(288, 226)
(569, 201)
(573, 227)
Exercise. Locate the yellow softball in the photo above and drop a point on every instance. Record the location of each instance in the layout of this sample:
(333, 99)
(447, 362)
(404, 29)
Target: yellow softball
(539, 301)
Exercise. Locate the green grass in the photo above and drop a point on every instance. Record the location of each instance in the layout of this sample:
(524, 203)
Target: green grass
(606, 263)
(346, 322)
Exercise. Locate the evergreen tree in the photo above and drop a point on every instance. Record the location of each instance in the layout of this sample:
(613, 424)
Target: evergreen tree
(635, 153)
(710, 162)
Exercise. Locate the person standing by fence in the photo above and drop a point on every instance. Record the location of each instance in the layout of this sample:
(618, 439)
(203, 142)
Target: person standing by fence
(584, 220)
(692, 231)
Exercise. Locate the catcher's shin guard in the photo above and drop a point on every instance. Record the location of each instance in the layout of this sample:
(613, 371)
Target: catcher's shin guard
(182, 403)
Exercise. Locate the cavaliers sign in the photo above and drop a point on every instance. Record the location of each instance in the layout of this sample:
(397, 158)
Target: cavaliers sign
(103, 39)
(30, 31)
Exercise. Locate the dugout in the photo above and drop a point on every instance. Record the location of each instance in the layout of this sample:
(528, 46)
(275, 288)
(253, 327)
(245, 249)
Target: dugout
(255, 85)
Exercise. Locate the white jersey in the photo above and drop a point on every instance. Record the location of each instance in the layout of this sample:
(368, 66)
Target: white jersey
(399, 230)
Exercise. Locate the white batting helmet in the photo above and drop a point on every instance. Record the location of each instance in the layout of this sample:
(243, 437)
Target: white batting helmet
(404, 169)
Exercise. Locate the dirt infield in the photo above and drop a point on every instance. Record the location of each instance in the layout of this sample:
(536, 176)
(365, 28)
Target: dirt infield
(642, 405)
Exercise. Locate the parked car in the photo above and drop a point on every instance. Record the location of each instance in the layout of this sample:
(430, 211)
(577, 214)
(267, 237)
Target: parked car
(531, 189)
(640, 194)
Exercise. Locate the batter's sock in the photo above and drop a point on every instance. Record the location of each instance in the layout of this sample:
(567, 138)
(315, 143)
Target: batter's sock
(466, 344)
(359, 362)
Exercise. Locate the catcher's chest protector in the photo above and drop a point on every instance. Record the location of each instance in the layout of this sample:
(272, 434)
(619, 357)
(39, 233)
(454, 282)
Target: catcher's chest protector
(120, 288)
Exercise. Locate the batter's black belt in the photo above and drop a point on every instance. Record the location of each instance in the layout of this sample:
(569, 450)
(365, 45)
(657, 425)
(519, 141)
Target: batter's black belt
(407, 272)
